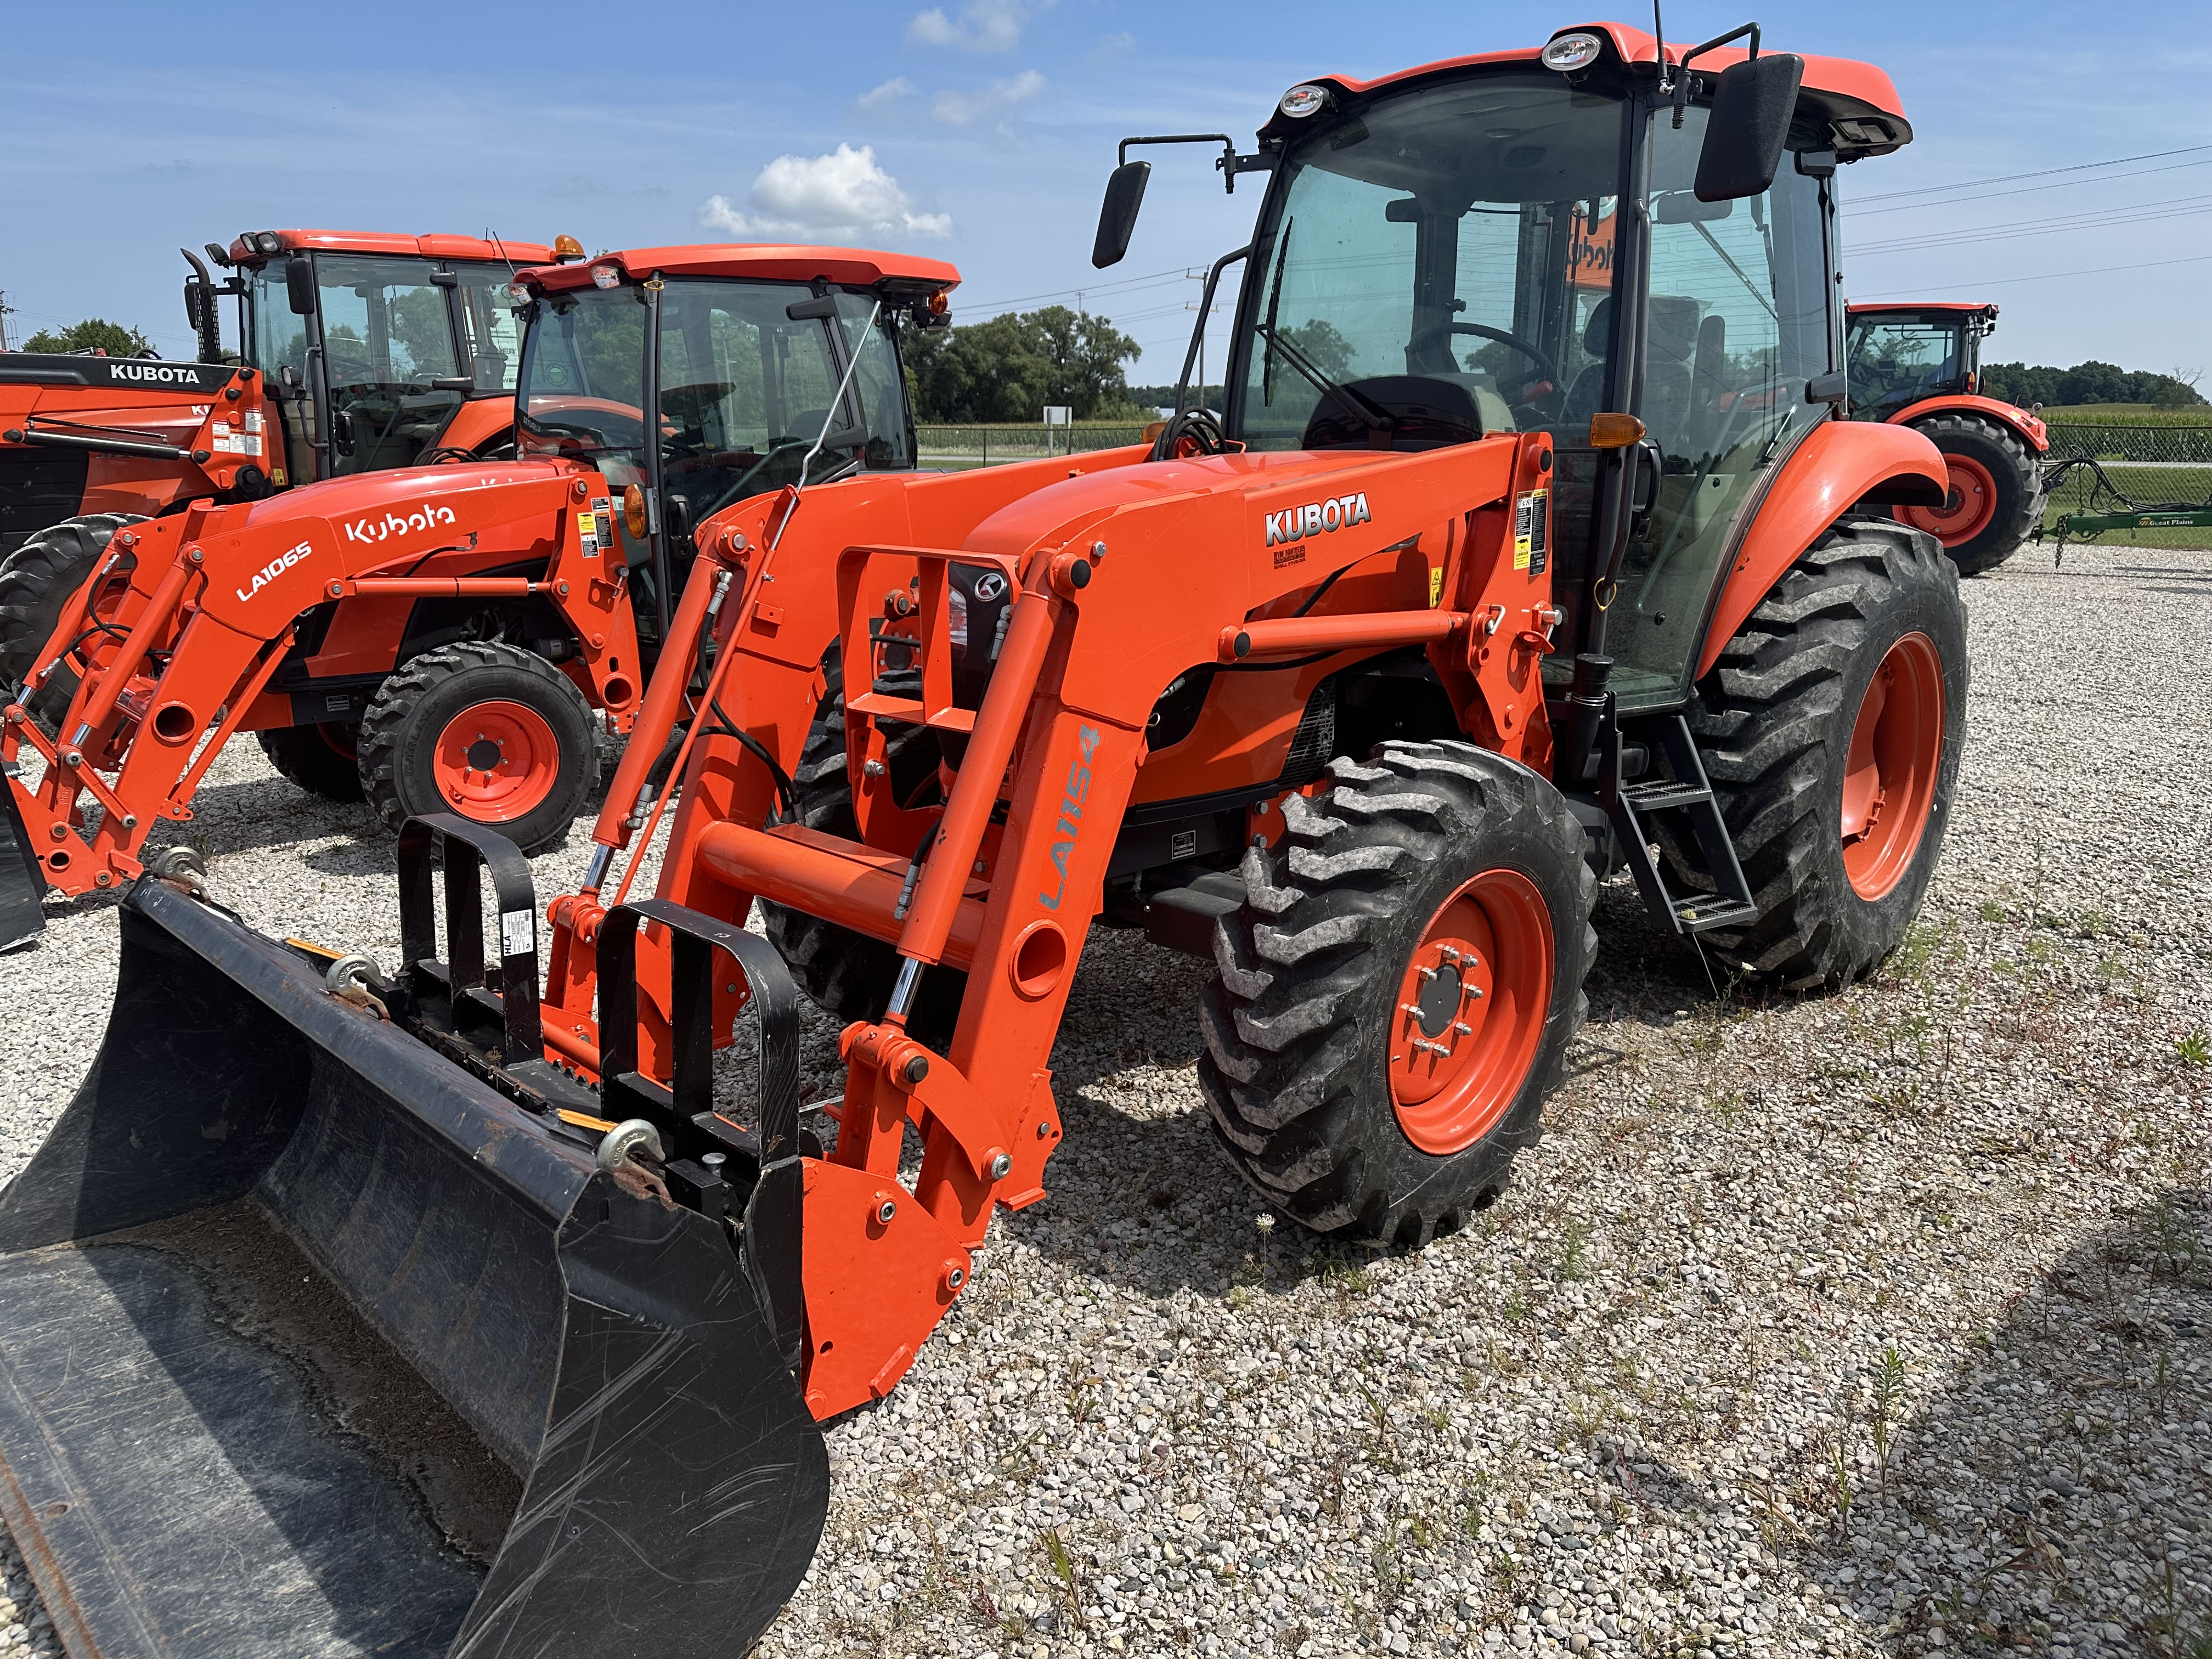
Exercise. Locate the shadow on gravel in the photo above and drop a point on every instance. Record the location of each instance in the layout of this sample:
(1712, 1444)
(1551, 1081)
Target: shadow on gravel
(2056, 1497)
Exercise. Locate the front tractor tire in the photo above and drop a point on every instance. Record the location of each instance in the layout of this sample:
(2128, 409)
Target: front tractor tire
(1832, 728)
(37, 582)
(488, 731)
(1398, 990)
(1996, 497)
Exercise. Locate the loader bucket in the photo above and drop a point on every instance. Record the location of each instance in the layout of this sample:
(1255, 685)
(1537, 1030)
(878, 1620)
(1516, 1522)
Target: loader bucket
(313, 1342)
(22, 879)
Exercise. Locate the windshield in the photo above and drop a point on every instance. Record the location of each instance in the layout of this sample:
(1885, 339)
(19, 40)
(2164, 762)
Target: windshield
(746, 388)
(1461, 235)
(1896, 361)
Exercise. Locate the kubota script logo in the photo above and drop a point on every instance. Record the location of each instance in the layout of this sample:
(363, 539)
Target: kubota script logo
(395, 524)
(1071, 815)
(1296, 523)
(269, 572)
(155, 375)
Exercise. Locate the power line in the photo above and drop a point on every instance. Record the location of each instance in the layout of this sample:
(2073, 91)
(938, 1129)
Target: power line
(1920, 291)
(1180, 274)
(1852, 211)
(2041, 172)
(2106, 218)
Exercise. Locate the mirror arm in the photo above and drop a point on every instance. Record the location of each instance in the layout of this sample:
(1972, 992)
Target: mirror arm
(1681, 86)
(1229, 162)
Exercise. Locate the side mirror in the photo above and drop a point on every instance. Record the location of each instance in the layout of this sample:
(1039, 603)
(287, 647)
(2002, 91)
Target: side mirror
(1117, 215)
(300, 284)
(1749, 126)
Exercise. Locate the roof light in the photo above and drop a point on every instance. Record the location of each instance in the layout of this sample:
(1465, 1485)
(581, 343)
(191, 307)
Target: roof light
(940, 303)
(1301, 101)
(520, 292)
(268, 241)
(1569, 53)
(606, 276)
(566, 248)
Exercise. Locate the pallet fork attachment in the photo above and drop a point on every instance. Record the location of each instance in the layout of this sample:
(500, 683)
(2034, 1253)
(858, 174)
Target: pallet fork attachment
(315, 1343)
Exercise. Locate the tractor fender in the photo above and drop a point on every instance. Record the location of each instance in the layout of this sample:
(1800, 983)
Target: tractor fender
(1840, 462)
(2030, 431)
(478, 422)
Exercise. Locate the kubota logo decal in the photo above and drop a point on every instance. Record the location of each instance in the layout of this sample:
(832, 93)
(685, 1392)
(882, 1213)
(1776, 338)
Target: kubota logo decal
(155, 375)
(269, 572)
(1071, 815)
(395, 524)
(1296, 523)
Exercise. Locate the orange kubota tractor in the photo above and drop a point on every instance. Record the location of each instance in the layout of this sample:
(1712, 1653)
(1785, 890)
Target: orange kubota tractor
(357, 352)
(1506, 561)
(445, 637)
(1918, 364)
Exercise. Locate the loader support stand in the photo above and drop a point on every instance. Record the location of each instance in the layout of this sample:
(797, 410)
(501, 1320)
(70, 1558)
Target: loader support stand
(772, 1217)
(510, 1008)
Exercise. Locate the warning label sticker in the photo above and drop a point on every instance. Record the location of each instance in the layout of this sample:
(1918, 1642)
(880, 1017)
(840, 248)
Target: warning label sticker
(1530, 523)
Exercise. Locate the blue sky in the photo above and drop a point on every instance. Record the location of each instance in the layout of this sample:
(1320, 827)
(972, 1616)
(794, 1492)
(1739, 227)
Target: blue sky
(981, 131)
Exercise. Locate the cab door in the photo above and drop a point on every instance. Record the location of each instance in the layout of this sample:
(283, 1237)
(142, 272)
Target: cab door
(1739, 316)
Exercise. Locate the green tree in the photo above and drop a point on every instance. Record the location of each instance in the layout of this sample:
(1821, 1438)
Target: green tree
(1009, 368)
(94, 334)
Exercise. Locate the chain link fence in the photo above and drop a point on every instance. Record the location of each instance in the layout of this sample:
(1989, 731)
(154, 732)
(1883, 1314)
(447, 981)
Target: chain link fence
(2106, 469)
(955, 448)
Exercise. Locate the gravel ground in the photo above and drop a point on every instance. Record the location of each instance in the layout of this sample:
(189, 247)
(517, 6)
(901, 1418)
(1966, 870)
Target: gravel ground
(1876, 1324)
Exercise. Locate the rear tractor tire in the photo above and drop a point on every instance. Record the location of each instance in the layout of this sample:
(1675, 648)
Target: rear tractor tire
(36, 585)
(489, 732)
(1995, 496)
(321, 759)
(850, 974)
(1832, 728)
(1398, 992)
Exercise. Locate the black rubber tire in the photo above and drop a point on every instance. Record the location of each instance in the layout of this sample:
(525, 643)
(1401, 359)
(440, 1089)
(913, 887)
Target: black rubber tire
(850, 974)
(416, 700)
(320, 759)
(1297, 1024)
(2014, 471)
(37, 582)
(1773, 722)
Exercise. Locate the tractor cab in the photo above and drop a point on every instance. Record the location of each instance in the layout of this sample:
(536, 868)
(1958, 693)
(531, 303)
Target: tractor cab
(1898, 356)
(382, 350)
(765, 365)
(1573, 242)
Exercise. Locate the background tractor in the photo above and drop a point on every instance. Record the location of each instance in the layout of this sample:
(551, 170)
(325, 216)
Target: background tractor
(357, 352)
(1508, 562)
(446, 638)
(1919, 365)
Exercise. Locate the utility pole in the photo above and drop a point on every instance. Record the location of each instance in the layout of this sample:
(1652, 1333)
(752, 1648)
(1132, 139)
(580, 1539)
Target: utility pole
(4, 309)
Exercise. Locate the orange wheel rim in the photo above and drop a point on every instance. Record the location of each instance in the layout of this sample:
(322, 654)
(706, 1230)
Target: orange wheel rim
(1967, 509)
(495, 761)
(1889, 776)
(1470, 1011)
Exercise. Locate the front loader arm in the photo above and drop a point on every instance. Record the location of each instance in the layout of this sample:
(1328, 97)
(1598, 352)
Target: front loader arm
(172, 662)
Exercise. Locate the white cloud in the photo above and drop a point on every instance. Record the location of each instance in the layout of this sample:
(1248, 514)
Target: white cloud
(1112, 47)
(842, 194)
(890, 92)
(995, 105)
(983, 26)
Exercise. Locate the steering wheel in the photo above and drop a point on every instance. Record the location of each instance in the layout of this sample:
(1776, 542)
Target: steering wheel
(1189, 432)
(1439, 335)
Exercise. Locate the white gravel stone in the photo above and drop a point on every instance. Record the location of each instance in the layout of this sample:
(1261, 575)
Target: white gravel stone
(1875, 1324)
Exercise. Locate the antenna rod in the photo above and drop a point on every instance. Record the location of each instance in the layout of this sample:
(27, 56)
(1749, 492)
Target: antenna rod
(1659, 31)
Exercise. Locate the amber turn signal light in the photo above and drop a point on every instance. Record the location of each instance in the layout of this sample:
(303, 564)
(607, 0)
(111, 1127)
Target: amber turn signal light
(1615, 431)
(634, 511)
